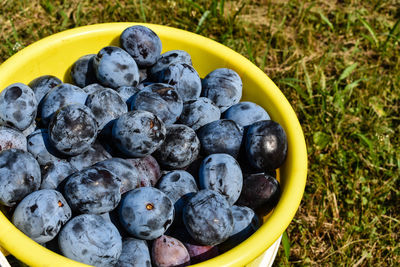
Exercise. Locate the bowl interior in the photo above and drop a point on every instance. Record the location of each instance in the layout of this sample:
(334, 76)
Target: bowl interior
(55, 54)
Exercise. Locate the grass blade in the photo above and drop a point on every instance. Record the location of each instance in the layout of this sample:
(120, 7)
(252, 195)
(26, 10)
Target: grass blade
(369, 28)
(307, 79)
(286, 244)
(142, 13)
(249, 49)
(392, 33)
(222, 7)
(202, 19)
(348, 71)
(326, 20)
(195, 5)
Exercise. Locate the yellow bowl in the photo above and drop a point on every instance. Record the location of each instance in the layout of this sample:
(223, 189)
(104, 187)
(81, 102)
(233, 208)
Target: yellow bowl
(55, 54)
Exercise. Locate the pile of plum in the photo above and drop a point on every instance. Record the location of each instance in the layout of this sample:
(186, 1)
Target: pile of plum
(138, 161)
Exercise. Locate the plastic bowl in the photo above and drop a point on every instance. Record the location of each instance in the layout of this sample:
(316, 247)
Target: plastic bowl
(55, 54)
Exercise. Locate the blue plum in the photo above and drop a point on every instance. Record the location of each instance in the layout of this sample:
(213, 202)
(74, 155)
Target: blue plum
(58, 97)
(39, 146)
(246, 113)
(90, 239)
(114, 67)
(91, 88)
(184, 78)
(128, 174)
(54, 172)
(146, 212)
(93, 190)
(199, 112)
(19, 176)
(94, 154)
(168, 58)
(18, 106)
(126, 93)
(106, 104)
(135, 253)
(31, 128)
(223, 86)
(221, 136)
(180, 148)
(82, 71)
(178, 186)
(138, 133)
(142, 44)
(42, 85)
(12, 138)
(41, 214)
(221, 173)
(160, 99)
(245, 223)
(208, 217)
(73, 130)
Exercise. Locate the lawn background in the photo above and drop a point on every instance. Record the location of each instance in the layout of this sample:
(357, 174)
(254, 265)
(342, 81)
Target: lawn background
(337, 62)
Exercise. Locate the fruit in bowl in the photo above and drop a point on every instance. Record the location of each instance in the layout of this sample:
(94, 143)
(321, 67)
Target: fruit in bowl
(186, 136)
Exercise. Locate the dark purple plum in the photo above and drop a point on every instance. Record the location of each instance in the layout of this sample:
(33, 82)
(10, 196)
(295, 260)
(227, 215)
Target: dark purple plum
(223, 86)
(12, 138)
(199, 253)
(260, 190)
(42, 85)
(169, 252)
(221, 136)
(138, 133)
(73, 130)
(246, 113)
(59, 97)
(146, 212)
(82, 71)
(148, 170)
(128, 174)
(19, 176)
(54, 172)
(90, 239)
(142, 44)
(106, 105)
(93, 190)
(114, 67)
(135, 252)
(180, 148)
(41, 214)
(160, 99)
(266, 145)
(222, 173)
(208, 217)
(18, 106)
(199, 112)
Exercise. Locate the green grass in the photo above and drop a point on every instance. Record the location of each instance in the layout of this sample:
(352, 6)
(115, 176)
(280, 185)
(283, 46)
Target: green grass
(338, 63)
